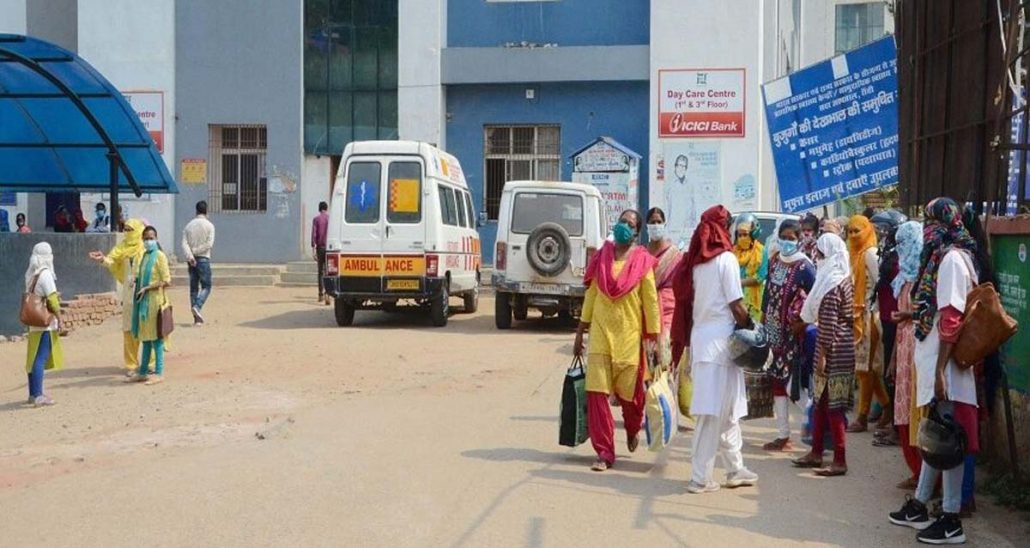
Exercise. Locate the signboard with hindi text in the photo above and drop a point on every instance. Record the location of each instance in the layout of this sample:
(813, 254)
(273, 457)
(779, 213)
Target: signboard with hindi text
(833, 127)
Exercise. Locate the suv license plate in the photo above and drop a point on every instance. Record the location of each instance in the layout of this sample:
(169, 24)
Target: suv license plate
(542, 289)
(402, 285)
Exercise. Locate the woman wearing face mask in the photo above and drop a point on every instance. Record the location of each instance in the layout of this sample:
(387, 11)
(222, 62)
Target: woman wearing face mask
(791, 275)
(865, 268)
(123, 262)
(754, 263)
(668, 259)
(44, 344)
(621, 312)
(152, 278)
(830, 304)
(909, 239)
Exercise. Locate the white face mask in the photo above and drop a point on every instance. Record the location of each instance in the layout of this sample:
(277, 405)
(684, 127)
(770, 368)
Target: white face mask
(656, 232)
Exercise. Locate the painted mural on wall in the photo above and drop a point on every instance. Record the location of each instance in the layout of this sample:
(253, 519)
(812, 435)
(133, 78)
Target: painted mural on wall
(688, 182)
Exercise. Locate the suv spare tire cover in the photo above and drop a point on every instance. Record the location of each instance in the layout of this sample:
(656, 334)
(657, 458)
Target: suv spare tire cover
(549, 249)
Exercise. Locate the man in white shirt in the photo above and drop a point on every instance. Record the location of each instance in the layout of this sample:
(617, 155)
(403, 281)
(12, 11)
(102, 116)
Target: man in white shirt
(710, 308)
(198, 238)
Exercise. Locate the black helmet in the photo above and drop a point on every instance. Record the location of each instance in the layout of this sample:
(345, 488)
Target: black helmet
(889, 220)
(941, 440)
(749, 348)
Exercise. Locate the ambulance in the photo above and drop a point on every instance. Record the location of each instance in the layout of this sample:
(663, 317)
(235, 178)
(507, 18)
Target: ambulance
(402, 231)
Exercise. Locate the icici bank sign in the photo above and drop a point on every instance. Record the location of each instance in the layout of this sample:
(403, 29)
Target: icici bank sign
(701, 103)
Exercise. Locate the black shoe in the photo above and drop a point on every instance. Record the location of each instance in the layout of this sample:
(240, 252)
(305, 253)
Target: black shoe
(913, 514)
(946, 530)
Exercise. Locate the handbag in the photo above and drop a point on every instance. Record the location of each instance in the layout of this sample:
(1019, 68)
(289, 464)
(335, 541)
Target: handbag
(165, 322)
(660, 410)
(572, 427)
(759, 388)
(985, 327)
(34, 312)
(685, 386)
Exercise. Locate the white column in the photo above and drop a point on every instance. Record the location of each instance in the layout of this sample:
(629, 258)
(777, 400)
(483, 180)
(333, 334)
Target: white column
(421, 101)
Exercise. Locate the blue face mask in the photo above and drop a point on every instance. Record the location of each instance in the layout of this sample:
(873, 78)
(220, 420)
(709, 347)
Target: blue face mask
(623, 233)
(150, 245)
(788, 247)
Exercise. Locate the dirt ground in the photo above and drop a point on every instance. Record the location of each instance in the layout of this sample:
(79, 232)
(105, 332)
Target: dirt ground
(275, 427)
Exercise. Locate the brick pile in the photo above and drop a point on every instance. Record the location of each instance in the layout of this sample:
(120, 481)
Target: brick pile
(89, 309)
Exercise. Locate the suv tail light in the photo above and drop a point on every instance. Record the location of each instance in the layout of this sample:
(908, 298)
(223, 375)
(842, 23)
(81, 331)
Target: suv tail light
(501, 259)
(432, 265)
(332, 264)
(591, 251)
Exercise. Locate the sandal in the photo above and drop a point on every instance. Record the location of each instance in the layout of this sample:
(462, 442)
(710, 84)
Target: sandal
(832, 470)
(600, 466)
(135, 378)
(154, 379)
(886, 441)
(778, 444)
(808, 461)
(633, 443)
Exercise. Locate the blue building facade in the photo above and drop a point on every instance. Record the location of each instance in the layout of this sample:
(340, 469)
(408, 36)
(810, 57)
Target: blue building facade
(528, 83)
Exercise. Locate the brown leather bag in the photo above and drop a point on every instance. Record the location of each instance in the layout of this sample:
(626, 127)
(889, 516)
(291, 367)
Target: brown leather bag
(165, 322)
(985, 327)
(34, 312)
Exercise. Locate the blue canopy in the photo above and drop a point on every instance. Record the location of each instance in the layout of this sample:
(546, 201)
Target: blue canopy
(65, 128)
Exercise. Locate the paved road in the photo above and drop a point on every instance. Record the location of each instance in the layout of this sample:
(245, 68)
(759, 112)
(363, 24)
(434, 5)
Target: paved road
(274, 427)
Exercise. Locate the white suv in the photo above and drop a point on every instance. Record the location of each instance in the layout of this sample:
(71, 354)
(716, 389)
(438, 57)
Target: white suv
(546, 233)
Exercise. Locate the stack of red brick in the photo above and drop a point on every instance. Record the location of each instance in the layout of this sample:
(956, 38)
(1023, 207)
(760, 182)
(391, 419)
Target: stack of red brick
(89, 309)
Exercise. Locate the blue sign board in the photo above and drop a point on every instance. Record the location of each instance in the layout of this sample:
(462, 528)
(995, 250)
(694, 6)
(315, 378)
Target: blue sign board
(834, 127)
(8, 199)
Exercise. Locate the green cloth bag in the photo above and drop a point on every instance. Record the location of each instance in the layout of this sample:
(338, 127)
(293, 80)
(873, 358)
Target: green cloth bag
(572, 429)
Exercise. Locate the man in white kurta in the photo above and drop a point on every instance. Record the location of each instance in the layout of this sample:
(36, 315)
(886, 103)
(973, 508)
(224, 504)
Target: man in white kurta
(719, 399)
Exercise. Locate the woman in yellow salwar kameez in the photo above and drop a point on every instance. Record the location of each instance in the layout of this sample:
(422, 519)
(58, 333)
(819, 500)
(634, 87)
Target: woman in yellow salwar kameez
(621, 312)
(44, 352)
(122, 262)
(152, 278)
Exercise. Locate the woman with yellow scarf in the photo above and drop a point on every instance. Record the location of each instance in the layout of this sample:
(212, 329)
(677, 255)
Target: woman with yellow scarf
(754, 263)
(865, 272)
(123, 262)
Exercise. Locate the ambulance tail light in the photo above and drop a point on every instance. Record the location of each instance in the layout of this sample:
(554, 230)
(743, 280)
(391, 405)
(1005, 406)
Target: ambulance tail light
(501, 259)
(332, 264)
(432, 266)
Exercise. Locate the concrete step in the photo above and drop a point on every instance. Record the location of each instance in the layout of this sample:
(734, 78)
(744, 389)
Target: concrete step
(305, 278)
(220, 270)
(308, 267)
(226, 280)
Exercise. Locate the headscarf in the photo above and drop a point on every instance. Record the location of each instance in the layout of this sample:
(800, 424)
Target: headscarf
(81, 224)
(833, 270)
(888, 260)
(638, 263)
(131, 247)
(910, 248)
(42, 258)
(799, 254)
(748, 256)
(942, 231)
(858, 244)
(710, 239)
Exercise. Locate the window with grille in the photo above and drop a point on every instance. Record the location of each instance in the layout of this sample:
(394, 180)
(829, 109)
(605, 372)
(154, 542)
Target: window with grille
(237, 168)
(857, 25)
(515, 153)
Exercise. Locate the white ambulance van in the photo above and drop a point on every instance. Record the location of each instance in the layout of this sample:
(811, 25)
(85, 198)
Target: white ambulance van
(402, 230)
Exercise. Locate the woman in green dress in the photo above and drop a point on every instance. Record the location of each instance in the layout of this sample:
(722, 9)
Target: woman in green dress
(152, 278)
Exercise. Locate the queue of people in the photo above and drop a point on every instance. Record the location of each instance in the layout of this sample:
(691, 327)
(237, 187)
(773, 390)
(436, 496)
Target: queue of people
(859, 313)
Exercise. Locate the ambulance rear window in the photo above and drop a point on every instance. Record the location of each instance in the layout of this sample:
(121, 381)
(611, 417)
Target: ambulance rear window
(363, 193)
(533, 209)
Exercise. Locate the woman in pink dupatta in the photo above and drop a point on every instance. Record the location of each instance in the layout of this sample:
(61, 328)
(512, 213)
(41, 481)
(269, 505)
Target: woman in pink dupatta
(621, 312)
(668, 257)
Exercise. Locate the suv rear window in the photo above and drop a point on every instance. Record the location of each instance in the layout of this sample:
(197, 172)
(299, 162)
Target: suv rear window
(362, 193)
(533, 209)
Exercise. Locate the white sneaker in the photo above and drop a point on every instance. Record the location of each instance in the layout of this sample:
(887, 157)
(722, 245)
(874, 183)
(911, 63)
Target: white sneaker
(741, 478)
(697, 488)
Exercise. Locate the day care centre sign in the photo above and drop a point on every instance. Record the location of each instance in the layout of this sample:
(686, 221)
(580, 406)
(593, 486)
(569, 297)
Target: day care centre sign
(701, 103)
(150, 107)
(834, 127)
